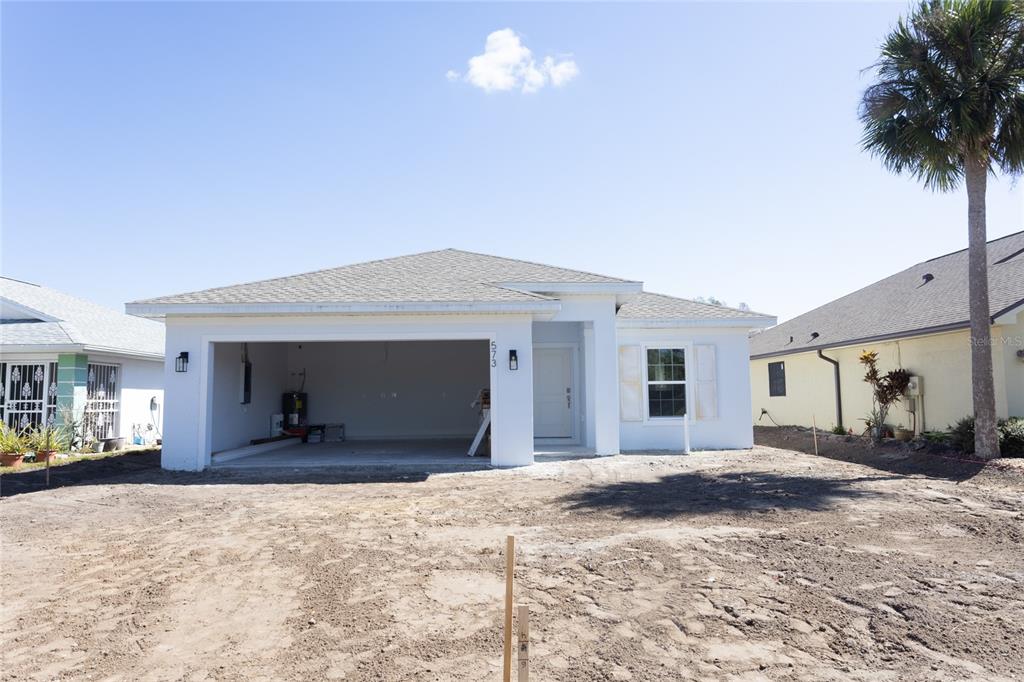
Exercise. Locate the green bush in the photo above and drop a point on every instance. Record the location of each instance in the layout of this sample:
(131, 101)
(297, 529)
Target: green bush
(961, 435)
(1011, 436)
(940, 437)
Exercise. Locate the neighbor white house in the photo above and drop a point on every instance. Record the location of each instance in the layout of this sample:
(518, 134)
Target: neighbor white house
(63, 357)
(398, 350)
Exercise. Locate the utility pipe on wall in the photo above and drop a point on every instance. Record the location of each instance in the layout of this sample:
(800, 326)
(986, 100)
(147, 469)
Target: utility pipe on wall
(839, 393)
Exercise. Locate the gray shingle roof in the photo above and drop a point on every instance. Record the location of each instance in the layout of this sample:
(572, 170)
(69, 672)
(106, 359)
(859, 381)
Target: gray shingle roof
(904, 303)
(73, 321)
(446, 276)
(649, 306)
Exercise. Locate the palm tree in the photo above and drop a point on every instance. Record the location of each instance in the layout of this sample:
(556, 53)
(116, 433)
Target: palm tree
(948, 105)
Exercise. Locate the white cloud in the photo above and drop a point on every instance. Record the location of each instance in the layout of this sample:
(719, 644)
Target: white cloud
(507, 64)
(561, 72)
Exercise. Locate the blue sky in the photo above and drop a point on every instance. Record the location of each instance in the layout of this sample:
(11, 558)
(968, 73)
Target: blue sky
(707, 149)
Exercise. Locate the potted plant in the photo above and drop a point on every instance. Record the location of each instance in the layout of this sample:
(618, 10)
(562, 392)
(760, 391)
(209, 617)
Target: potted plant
(12, 447)
(903, 434)
(46, 441)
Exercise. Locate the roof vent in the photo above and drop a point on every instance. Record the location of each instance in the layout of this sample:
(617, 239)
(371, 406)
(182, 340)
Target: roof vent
(927, 277)
(814, 335)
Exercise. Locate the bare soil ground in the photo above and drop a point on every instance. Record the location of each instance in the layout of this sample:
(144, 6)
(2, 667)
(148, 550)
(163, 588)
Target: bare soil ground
(768, 564)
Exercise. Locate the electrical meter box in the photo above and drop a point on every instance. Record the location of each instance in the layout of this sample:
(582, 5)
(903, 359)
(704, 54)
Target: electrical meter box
(915, 389)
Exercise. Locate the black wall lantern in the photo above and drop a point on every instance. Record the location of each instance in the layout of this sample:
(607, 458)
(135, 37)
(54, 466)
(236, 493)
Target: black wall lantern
(181, 362)
(513, 360)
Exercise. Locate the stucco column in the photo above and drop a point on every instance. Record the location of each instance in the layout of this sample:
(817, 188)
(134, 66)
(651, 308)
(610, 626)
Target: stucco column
(185, 405)
(512, 397)
(589, 369)
(606, 385)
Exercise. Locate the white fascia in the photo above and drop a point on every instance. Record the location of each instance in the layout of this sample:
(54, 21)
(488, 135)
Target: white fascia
(29, 348)
(164, 309)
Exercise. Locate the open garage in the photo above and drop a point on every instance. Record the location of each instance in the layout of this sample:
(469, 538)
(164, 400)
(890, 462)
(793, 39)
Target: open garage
(377, 397)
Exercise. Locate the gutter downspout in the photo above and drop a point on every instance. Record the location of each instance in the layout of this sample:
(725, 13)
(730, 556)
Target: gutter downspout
(839, 393)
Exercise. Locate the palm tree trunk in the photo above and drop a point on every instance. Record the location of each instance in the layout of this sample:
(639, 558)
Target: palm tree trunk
(986, 439)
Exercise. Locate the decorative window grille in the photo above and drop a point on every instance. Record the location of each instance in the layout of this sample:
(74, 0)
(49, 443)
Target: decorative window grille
(102, 405)
(3, 392)
(28, 394)
(51, 393)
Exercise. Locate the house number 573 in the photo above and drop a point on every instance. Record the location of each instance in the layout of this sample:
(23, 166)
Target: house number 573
(494, 354)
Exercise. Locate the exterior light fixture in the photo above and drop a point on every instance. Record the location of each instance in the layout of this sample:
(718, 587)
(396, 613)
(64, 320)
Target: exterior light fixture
(513, 360)
(181, 362)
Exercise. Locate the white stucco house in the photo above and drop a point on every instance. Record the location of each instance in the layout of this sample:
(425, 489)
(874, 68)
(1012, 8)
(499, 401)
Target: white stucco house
(61, 356)
(398, 350)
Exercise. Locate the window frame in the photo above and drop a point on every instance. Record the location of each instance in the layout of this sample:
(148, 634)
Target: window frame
(771, 390)
(686, 348)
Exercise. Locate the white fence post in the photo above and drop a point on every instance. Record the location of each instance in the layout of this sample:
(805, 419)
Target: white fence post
(686, 432)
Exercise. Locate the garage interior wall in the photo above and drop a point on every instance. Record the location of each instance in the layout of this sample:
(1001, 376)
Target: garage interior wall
(234, 424)
(393, 389)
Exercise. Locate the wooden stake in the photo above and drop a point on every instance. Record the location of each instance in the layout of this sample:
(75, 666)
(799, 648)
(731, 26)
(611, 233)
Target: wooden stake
(523, 614)
(814, 430)
(510, 566)
(48, 456)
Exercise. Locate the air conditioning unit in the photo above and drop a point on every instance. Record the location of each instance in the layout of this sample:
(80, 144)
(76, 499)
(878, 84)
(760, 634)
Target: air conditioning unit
(915, 389)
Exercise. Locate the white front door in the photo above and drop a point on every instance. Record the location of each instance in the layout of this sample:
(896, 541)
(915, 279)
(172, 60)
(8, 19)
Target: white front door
(552, 392)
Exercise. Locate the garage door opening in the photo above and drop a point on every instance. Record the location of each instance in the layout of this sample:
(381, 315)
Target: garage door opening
(351, 401)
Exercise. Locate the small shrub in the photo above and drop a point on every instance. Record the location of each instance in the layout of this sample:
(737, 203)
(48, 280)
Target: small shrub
(11, 441)
(961, 435)
(886, 391)
(838, 430)
(1011, 437)
(939, 437)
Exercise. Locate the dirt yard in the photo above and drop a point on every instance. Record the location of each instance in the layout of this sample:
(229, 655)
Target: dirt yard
(768, 564)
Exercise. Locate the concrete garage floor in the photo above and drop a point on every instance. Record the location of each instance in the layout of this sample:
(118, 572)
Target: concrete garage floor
(435, 456)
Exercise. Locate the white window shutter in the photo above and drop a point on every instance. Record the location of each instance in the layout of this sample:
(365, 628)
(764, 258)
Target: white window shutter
(631, 390)
(705, 384)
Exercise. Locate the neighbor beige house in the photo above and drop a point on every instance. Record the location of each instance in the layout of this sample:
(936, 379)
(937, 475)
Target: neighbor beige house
(807, 370)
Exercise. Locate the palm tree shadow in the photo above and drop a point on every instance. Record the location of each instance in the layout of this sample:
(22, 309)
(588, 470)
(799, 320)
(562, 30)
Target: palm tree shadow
(697, 493)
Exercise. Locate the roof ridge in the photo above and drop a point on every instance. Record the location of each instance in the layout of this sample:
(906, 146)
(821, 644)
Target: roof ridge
(705, 303)
(543, 265)
(477, 274)
(987, 243)
(879, 281)
(21, 281)
(297, 274)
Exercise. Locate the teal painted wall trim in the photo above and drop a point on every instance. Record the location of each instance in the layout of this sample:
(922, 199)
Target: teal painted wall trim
(72, 377)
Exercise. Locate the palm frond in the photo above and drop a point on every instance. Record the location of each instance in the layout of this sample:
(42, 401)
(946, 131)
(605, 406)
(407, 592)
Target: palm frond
(949, 86)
